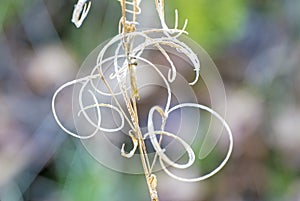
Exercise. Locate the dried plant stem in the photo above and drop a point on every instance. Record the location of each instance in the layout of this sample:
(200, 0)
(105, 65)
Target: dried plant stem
(150, 178)
(132, 106)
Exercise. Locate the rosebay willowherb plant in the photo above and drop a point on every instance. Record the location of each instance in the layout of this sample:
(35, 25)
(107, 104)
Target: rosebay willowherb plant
(106, 99)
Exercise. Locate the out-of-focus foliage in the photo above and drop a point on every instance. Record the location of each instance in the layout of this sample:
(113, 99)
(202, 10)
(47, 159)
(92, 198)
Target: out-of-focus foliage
(256, 46)
(9, 10)
(212, 23)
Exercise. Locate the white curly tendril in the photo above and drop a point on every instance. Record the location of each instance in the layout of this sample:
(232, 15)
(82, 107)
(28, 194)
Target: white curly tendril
(80, 12)
(125, 53)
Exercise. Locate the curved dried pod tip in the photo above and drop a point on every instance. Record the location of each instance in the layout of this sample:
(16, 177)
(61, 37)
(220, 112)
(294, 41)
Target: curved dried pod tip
(135, 145)
(80, 12)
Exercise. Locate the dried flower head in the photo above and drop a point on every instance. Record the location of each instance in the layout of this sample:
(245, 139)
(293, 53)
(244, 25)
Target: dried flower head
(113, 85)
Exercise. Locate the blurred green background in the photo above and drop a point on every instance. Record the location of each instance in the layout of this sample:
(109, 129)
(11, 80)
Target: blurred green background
(254, 43)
